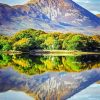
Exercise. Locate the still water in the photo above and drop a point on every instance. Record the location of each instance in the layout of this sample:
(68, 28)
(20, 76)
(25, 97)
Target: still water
(27, 77)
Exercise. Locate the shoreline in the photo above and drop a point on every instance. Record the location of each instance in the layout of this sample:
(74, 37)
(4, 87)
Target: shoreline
(52, 52)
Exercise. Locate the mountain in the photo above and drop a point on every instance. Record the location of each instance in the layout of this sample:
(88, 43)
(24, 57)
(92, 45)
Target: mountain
(48, 15)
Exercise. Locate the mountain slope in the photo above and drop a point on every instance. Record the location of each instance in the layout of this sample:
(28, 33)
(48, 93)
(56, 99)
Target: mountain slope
(65, 11)
(47, 15)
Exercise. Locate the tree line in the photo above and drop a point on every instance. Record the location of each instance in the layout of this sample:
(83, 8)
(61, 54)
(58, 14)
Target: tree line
(32, 39)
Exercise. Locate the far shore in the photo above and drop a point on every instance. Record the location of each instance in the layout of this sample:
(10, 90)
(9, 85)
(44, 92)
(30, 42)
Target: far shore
(51, 52)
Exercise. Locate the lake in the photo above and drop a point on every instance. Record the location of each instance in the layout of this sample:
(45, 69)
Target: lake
(29, 77)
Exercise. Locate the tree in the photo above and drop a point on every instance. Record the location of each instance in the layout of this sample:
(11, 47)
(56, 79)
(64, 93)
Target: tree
(5, 45)
(76, 42)
(23, 44)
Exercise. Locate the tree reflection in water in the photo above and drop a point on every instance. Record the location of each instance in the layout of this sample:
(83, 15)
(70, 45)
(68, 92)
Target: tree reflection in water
(48, 78)
(32, 65)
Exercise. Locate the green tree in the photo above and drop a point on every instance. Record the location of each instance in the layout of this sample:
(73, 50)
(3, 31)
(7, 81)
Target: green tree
(5, 45)
(23, 44)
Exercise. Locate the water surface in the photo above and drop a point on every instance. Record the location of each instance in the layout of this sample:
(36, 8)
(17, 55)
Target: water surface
(49, 77)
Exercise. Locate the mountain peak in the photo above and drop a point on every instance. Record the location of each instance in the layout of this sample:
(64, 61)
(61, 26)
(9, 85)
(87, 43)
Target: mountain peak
(98, 15)
(45, 1)
(33, 1)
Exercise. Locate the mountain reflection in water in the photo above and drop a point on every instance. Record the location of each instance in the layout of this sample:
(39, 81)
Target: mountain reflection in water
(48, 78)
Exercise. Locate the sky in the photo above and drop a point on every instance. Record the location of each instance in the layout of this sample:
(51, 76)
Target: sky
(14, 95)
(90, 93)
(91, 5)
(13, 2)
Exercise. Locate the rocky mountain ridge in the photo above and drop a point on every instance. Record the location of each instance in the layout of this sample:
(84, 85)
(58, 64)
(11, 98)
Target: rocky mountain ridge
(48, 15)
